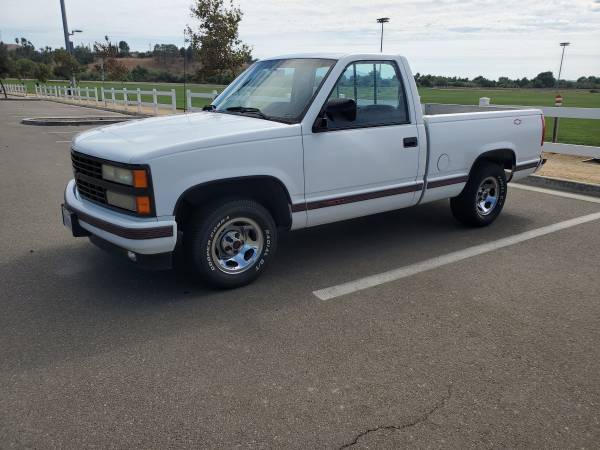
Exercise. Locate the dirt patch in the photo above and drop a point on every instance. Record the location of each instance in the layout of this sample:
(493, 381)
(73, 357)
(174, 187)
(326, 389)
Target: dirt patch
(572, 168)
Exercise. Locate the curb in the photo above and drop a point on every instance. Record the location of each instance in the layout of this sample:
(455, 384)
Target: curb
(17, 98)
(561, 184)
(92, 120)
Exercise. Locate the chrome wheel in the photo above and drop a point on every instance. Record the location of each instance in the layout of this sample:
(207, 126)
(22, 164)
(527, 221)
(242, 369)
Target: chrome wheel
(237, 245)
(487, 196)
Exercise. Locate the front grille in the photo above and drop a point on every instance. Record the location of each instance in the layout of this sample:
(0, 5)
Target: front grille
(83, 165)
(87, 166)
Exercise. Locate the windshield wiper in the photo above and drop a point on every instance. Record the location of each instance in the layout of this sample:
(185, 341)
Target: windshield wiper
(245, 109)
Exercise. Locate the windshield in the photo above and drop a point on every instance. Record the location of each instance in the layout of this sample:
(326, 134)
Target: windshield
(279, 89)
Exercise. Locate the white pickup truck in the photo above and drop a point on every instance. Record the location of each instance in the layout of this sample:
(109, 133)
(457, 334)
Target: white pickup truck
(293, 142)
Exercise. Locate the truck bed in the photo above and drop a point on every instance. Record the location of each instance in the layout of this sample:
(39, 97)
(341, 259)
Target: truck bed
(458, 134)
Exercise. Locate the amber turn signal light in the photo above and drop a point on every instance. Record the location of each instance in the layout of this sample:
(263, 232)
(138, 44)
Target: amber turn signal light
(142, 205)
(140, 178)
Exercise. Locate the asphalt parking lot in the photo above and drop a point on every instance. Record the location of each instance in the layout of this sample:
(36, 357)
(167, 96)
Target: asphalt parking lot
(497, 349)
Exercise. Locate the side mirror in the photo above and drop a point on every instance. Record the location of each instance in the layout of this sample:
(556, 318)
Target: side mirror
(344, 108)
(335, 109)
(320, 124)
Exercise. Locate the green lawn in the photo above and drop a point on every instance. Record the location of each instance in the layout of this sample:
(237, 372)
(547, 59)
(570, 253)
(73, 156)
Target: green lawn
(574, 131)
(528, 97)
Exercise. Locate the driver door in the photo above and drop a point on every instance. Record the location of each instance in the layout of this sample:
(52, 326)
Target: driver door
(366, 165)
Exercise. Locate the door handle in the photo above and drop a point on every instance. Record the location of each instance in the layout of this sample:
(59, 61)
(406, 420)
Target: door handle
(411, 142)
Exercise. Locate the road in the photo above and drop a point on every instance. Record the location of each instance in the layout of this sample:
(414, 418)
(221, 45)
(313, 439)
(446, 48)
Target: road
(497, 349)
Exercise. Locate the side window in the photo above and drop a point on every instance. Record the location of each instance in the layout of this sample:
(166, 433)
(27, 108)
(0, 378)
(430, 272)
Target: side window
(376, 87)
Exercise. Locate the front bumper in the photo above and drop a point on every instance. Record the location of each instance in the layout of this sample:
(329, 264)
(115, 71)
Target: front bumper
(141, 236)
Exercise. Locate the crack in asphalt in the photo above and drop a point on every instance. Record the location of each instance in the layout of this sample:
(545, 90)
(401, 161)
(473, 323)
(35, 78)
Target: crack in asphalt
(416, 421)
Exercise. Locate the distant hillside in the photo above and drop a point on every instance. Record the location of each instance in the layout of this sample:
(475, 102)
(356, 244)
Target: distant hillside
(171, 65)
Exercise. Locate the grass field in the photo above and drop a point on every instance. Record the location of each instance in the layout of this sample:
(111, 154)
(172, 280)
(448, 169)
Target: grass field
(574, 131)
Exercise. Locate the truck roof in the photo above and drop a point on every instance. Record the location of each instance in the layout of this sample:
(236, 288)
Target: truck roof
(333, 55)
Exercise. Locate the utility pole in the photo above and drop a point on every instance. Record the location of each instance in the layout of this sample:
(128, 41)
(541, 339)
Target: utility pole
(68, 45)
(563, 45)
(185, 41)
(65, 26)
(562, 57)
(382, 20)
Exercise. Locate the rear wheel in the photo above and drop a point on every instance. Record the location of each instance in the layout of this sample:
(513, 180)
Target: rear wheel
(482, 199)
(230, 245)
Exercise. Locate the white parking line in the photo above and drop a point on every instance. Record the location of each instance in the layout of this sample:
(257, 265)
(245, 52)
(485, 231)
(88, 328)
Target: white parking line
(434, 263)
(585, 198)
(63, 132)
(58, 142)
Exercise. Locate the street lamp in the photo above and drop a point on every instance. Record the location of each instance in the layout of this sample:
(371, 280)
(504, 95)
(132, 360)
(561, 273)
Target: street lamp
(382, 20)
(562, 56)
(66, 32)
(563, 45)
(185, 41)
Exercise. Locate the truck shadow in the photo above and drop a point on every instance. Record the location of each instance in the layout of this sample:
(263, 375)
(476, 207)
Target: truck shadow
(77, 299)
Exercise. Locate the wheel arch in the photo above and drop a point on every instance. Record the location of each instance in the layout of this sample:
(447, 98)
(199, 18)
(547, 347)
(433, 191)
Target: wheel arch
(267, 190)
(505, 157)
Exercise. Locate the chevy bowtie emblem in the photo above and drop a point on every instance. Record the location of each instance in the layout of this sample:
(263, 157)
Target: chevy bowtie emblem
(517, 122)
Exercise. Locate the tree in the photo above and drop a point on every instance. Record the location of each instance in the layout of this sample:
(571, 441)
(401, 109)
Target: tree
(123, 48)
(544, 80)
(42, 72)
(216, 40)
(5, 65)
(66, 66)
(83, 54)
(25, 67)
(25, 49)
(164, 53)
(108, 52)
(483, 82)
(139, 73)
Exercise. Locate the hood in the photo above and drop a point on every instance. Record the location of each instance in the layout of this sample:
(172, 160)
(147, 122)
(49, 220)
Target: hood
(138, 141)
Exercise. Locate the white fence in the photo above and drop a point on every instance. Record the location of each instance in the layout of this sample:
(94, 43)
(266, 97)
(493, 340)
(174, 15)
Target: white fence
(571, 113)
(81, 94)
(136, 97)
(123, 98)
(189, 95)
(16, 89)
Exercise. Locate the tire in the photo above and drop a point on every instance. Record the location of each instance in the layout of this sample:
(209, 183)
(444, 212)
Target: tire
(483, 197)
(230, 244)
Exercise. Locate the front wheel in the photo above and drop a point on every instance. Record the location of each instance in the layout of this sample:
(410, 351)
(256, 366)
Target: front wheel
(230, 245)
(482, 199)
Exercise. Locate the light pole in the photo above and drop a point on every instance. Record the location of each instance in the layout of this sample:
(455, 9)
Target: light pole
(382, 20)
(563, 45)
(185, 41)
(562, 57)
(66, 32)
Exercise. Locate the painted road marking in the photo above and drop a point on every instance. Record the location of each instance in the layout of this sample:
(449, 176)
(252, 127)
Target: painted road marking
(63, 132)
(585, 198)
(434, 263)
(59, 142)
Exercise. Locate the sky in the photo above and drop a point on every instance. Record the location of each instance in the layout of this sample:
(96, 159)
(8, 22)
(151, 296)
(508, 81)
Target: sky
(493, 38)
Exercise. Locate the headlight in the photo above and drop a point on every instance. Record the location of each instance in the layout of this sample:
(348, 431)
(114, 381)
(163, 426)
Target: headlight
(136, 198)
(117, 174)
(121, 200)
